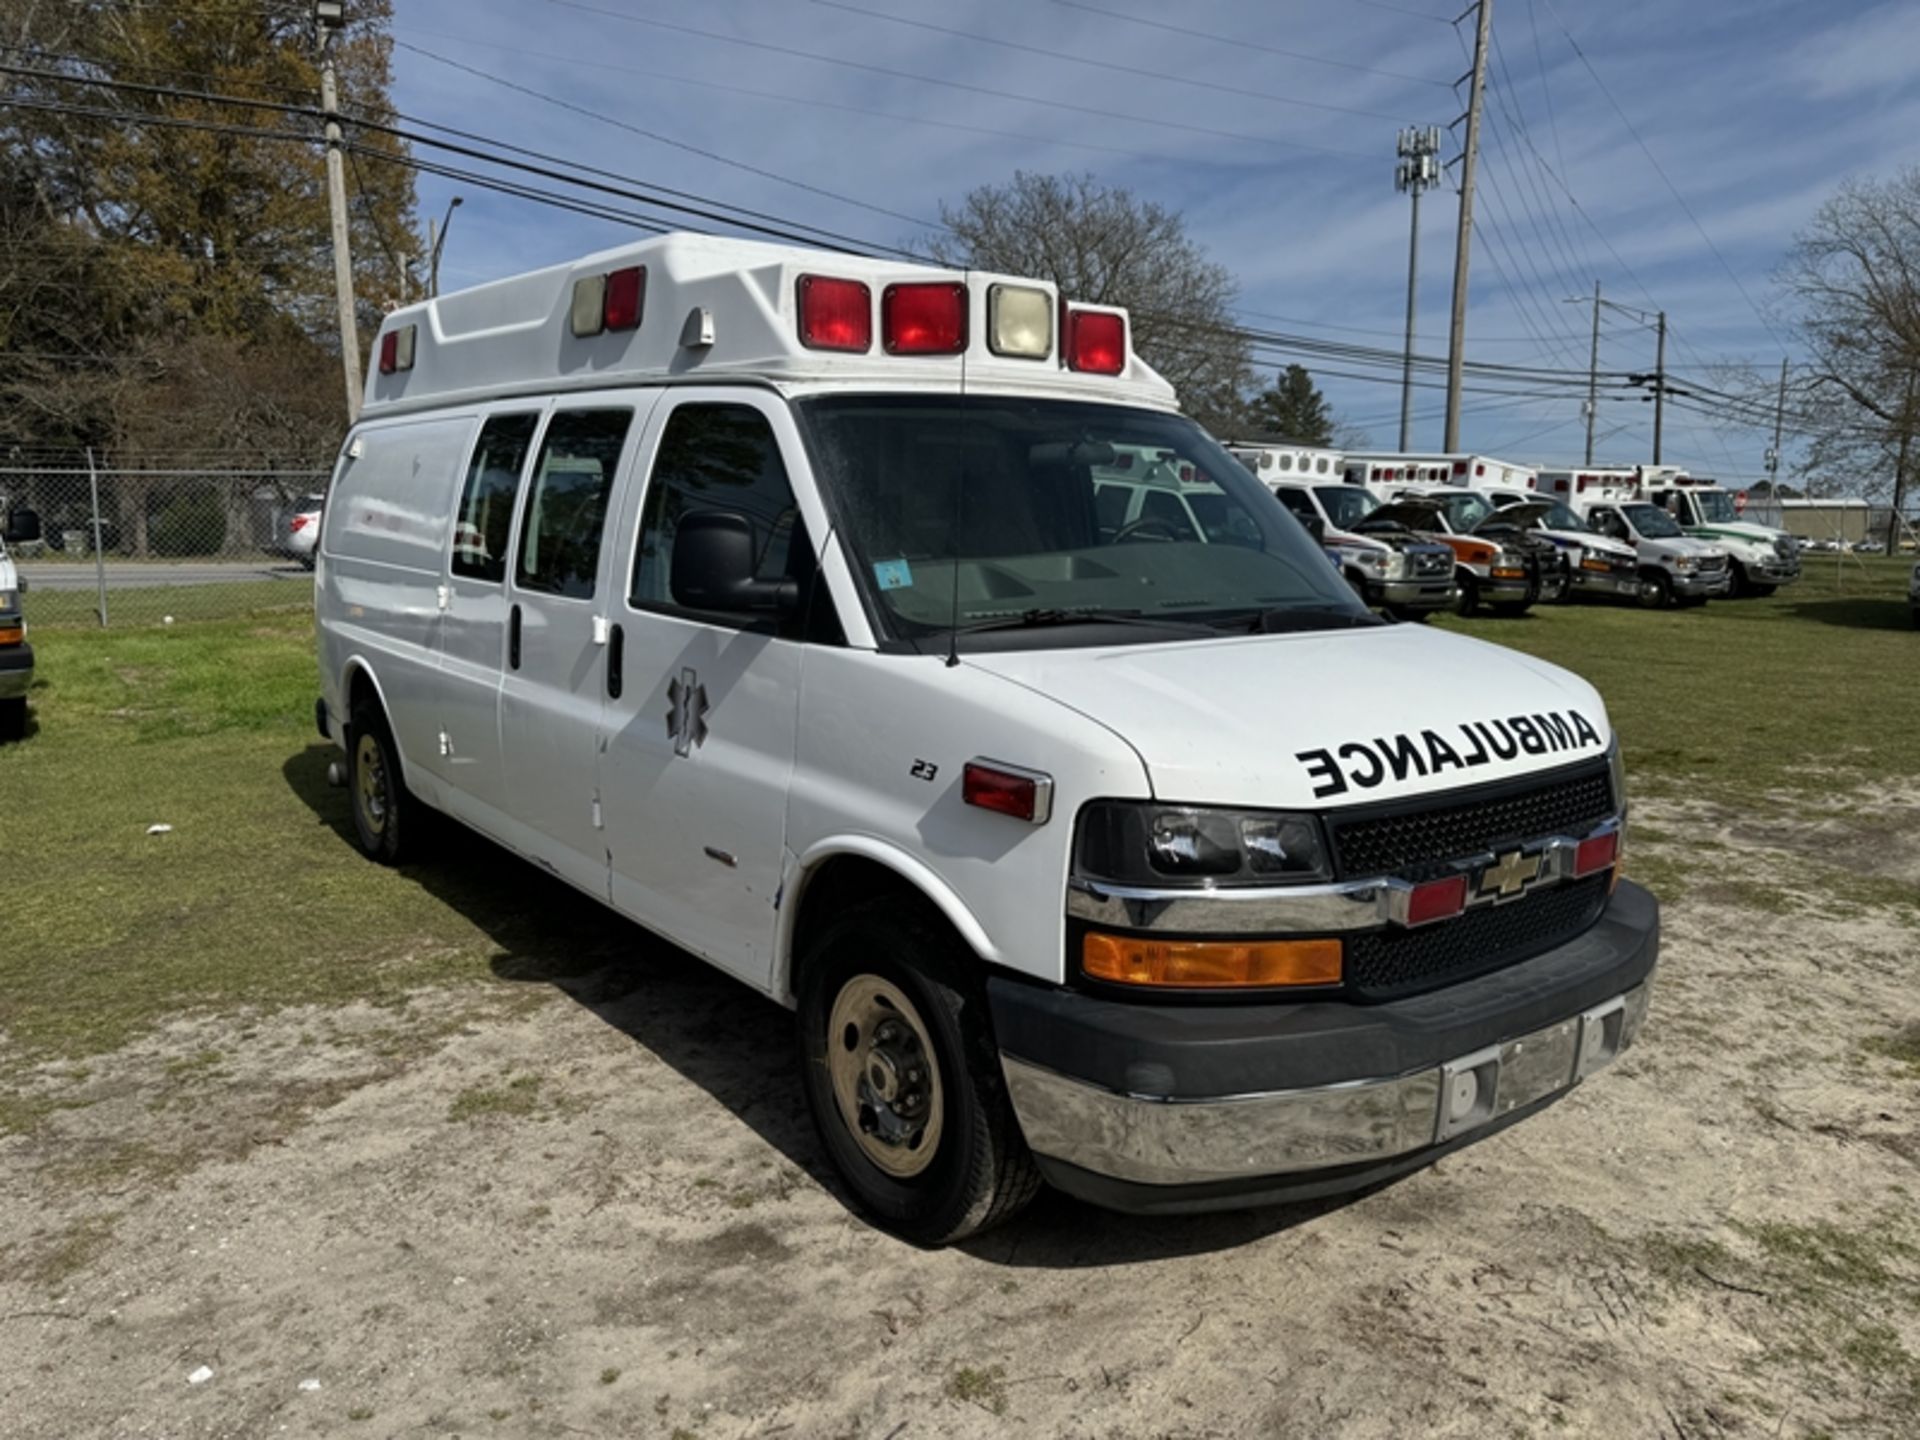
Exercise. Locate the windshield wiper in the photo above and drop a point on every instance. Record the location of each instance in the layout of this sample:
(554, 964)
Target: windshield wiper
(1041, 619)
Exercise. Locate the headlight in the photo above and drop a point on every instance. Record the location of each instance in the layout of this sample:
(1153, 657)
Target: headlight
(8, 602)
(1396, 566)
(1686, 563)
(1370, 559)
(1139, 843)
(1617, 768)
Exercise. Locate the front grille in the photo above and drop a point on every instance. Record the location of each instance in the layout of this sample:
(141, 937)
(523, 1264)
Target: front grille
(1713, 564)
(1388, 964)
(1430, 565)
(1416, 844)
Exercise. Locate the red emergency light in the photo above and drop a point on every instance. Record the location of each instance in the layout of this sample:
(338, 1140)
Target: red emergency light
(626, 295)
(1096, 341)
(835, 314)
(396, 350)
(924, 319)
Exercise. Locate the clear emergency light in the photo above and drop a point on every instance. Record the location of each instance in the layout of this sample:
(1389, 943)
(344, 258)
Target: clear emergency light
(1020, 322)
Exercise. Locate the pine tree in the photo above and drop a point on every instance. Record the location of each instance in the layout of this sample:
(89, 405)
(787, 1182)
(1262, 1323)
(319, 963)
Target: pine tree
(1294, 409)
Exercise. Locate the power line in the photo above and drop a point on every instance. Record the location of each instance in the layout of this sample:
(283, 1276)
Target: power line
(578, 63)
(943, 82)
(1241, 42)
(1660, 170)
(1212, 86)
(658, 138)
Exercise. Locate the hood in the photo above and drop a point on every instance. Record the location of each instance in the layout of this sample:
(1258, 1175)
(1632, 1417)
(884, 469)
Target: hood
(1695, 545)
(1764, 535)
(1399, 540)
(1409, 515)
(1324, 720)
(1597, 544)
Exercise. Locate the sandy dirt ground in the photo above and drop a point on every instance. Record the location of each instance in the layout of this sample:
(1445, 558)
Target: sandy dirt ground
(590, 1203)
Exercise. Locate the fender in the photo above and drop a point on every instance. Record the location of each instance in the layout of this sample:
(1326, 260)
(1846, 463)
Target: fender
(360, 663)
(881, 852)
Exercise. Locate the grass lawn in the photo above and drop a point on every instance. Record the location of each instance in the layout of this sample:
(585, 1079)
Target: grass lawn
(258, 896)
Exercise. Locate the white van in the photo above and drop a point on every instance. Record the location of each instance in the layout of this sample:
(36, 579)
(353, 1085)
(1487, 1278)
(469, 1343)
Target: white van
(763, 594)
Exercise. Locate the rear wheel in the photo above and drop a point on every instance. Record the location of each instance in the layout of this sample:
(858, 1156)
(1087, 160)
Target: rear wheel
(386, 817)
(13, 719)
(903, 1077)
(1656, 591)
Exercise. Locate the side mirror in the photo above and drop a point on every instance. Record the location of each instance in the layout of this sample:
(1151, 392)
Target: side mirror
(713, 568)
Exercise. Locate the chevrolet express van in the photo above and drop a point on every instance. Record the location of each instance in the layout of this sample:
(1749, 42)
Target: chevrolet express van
(765, 595)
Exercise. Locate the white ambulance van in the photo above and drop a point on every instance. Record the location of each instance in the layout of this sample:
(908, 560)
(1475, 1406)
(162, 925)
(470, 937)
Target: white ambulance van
(765, 595)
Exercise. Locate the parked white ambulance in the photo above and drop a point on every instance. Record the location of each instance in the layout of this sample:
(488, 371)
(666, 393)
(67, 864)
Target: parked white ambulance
(1763, 557)
(762, 594)
(1387, 473)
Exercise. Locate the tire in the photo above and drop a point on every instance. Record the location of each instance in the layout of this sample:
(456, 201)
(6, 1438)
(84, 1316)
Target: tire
(1468, 599)
(13, 719)
(387, 819)
(1741, 587)
(1656, 591)
(889, 997)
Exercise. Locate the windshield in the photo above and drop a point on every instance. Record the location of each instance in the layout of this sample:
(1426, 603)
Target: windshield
(1016, 507)
(1466, 510)
(1346, 505)
(1652, 522)
(1716, 507)
(1559, 517)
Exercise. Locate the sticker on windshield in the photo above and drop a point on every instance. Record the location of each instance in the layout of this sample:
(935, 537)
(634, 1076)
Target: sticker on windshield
(893, 574)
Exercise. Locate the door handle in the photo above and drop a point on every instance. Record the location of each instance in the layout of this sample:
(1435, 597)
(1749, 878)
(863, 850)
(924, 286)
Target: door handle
(616, 662)
(513, 638)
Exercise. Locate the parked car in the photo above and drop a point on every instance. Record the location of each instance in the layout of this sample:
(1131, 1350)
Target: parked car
(16, 655)
(1675, 568)
(1130, 854)
(303, 528)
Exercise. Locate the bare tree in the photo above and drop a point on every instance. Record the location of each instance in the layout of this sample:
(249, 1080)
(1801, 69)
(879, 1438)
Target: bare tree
(1106, 246)
(1854, 275)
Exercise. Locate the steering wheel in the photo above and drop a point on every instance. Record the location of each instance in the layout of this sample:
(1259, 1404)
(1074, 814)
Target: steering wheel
(1143, 528)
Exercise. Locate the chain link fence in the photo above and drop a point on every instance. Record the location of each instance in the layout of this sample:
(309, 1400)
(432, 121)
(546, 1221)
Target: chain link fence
(150, 541)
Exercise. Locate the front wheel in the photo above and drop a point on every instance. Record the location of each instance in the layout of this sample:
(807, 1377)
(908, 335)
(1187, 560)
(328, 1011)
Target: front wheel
(903, 1078)
(1656, 591)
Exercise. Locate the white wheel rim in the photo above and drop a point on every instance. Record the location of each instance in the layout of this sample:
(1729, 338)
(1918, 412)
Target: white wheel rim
(886, 1076)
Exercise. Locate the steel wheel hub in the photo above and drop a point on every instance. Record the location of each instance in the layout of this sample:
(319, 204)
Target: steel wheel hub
(371, 767)
(886, 1080)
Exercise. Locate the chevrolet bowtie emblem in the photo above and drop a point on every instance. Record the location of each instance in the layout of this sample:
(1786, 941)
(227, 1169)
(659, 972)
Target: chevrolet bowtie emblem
(1509, 876)
(687, 713)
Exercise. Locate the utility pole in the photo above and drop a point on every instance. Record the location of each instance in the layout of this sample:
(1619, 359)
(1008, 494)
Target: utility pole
(436, 241)
(1593, 375)
(329, 19)
(1660, 389)
(1418, 171)
(1900, 469)
(1463, 244)
(1779, 430)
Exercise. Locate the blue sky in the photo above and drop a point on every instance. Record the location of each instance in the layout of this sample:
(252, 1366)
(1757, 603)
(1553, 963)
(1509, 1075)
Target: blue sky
(1275, 141)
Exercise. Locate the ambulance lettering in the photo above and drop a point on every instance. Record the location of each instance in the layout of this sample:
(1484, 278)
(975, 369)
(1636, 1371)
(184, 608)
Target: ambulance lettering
(1368, 764)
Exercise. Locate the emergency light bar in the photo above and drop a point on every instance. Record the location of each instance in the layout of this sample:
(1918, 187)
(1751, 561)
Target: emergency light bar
(609, 302)
(396, 349)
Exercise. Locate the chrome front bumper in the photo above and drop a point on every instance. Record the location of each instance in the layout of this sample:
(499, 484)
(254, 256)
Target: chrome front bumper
(1157, 1140)
(1694, 584)
(1414, 594)
(1606, 582)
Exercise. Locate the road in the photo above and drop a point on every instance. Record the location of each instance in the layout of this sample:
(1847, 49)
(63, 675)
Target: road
(128, 575)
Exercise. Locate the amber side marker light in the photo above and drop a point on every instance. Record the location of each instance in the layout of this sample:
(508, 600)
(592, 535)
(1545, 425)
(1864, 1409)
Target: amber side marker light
(1210, 964)
(12, 635)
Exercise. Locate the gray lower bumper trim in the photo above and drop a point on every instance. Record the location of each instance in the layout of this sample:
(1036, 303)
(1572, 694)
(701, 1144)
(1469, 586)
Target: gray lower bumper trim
(1157, 1141)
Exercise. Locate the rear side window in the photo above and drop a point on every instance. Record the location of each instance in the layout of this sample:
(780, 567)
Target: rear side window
(486, 504)
(718, 457)
(567, 502)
